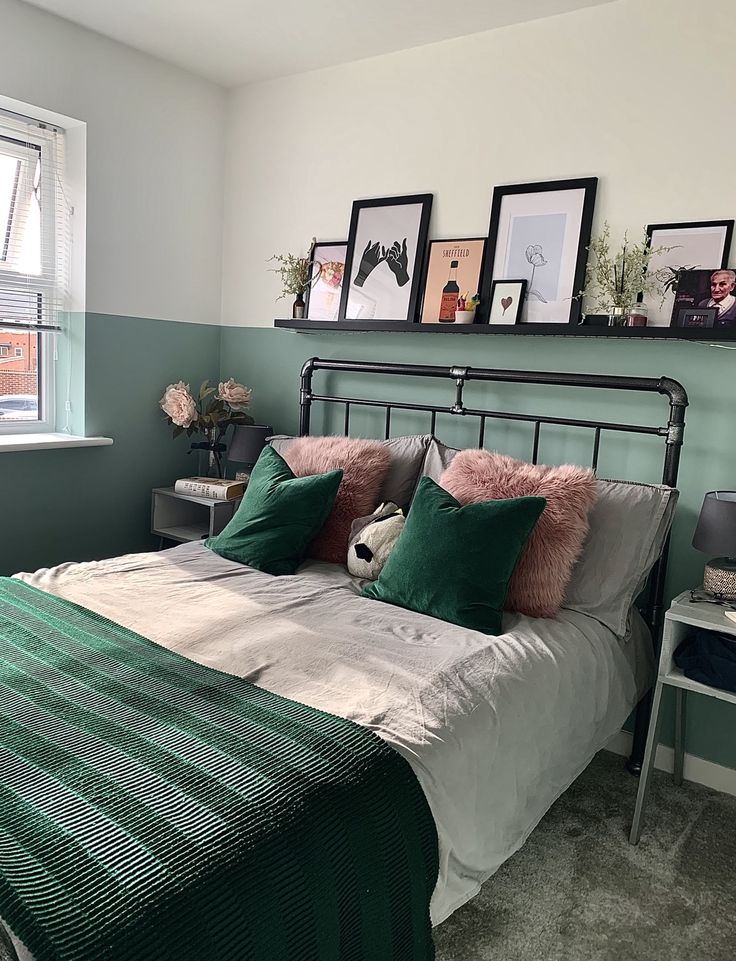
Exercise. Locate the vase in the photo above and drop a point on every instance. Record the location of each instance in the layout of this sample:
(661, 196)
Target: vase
(211, 453)
(617, 316)
(297, 310)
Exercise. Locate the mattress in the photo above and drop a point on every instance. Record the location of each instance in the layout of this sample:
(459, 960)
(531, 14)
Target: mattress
(495, 728)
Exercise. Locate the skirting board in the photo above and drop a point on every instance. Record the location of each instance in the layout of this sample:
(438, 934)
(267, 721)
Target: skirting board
(696, 769)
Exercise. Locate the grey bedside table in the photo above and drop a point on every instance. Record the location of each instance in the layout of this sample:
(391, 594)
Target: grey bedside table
(185, 517)
(682, 615)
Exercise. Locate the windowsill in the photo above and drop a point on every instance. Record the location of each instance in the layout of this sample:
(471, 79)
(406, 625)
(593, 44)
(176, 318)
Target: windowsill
(15, 442)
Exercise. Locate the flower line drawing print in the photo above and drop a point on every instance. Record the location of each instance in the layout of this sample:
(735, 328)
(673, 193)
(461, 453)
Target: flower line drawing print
(535, 257)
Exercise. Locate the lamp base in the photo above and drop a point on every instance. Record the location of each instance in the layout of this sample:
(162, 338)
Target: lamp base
(719, 576)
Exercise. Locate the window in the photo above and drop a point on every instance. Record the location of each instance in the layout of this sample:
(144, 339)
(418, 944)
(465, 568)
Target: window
(34, 253)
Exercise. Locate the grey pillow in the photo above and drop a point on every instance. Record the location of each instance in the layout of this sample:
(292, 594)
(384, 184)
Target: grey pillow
(629, 524)
(437, 458)
(407, 454)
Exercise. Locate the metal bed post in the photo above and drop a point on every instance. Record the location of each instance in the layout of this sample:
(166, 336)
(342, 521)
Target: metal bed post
(672, 433)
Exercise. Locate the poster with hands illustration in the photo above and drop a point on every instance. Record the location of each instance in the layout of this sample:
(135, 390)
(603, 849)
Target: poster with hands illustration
(386, 245)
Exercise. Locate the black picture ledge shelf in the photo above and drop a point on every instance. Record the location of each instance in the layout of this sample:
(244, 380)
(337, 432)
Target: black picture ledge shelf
(559, 330)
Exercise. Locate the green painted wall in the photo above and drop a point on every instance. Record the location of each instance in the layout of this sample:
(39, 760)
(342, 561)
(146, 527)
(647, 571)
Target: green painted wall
(270, 361)
(90, 503)
(87, 503)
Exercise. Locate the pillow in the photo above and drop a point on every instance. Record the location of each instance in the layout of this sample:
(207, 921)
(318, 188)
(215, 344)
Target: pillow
(407, 455)
(364, 464)
(437, 459)
(372, 539)
(454, 562)
(538, 585)
(629, 524)
(278, 517)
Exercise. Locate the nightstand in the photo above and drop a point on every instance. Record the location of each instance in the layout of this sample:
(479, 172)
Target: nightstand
(679, 619)
(185, 517)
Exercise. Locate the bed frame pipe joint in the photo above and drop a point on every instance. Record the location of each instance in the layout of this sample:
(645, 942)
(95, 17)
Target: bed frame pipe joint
(460, 374)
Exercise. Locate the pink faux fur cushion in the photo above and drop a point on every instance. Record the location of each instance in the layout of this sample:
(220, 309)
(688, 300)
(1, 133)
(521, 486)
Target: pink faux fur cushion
(364, 463)
(537, 587)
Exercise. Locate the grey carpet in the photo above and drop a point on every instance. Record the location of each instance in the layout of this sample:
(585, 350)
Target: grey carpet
(577, 891)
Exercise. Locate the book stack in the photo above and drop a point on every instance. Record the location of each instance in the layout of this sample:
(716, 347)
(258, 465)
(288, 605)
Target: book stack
(216, 488)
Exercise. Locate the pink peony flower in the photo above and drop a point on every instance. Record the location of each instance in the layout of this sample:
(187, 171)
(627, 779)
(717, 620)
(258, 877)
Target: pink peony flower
(179, 404)
(234, 394)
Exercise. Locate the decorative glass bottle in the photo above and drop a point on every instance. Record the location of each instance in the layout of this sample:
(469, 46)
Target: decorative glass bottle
(638, 315)
(297, 310)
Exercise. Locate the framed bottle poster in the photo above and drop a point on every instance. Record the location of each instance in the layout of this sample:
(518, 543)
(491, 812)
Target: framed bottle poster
(453, 270)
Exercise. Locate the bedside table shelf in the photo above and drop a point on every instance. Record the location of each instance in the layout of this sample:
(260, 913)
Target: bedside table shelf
(185, 517)
(679, 621)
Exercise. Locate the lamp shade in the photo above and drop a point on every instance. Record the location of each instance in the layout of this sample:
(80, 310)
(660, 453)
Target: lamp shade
(247, 443)
(716, 530)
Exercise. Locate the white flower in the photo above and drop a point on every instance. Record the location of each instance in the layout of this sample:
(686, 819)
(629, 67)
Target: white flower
(179, 404)
(235, 395)
(535, 256)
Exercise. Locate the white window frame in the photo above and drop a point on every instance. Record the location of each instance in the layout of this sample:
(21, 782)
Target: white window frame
(45, 283)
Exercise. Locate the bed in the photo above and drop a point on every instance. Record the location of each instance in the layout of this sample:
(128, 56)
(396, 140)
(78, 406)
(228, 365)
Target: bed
(493, 728)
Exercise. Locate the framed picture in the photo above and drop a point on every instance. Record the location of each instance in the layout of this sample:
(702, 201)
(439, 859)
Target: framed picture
(322, 299)
(699, 290)
(507, 299)
(696, 316)
(702, 244)
(541, 231)
(453, 269)
(383, 263)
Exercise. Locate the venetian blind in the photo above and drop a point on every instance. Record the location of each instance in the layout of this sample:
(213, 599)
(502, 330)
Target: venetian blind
(35, 230)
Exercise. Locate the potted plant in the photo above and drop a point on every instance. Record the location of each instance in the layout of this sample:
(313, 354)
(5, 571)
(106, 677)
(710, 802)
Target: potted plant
(211, 413)
(296, 273)
(616, 277)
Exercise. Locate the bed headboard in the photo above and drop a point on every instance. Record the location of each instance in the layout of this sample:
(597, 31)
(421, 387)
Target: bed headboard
(670, 434)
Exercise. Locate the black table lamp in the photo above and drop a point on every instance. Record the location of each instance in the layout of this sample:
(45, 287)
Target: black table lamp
(716, 534)
(247, 443)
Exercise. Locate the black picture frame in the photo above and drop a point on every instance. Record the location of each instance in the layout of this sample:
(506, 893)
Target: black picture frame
(319, 245)
(522, 284)
(415, 264)
(662, 314)
(694, 225)
(697, 316)
(590, 186)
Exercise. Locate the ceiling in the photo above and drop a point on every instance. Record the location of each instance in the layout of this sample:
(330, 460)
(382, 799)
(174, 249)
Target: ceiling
(240, 41)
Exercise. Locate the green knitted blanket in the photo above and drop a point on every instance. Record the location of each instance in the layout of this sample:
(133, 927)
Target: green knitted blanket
(152, 808)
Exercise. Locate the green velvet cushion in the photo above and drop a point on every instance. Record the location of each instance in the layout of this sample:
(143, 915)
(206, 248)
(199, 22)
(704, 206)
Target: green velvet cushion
(278, 517)
(455, 562)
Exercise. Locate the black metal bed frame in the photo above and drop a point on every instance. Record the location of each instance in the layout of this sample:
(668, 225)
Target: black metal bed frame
(672, 432)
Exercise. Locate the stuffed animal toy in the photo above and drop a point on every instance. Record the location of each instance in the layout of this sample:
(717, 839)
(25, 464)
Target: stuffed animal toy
(372, 539)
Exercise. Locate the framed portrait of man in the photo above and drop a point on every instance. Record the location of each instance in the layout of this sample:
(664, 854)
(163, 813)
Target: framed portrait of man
(706, 290)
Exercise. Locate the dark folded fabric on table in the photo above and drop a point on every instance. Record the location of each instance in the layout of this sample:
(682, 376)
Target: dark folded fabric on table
(710, 658)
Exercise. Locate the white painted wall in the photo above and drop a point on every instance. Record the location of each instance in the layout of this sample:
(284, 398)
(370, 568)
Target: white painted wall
(628, 91)
(154, 162)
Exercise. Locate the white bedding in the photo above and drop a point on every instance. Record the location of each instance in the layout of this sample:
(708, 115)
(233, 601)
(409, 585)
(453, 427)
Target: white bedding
(495, 728)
